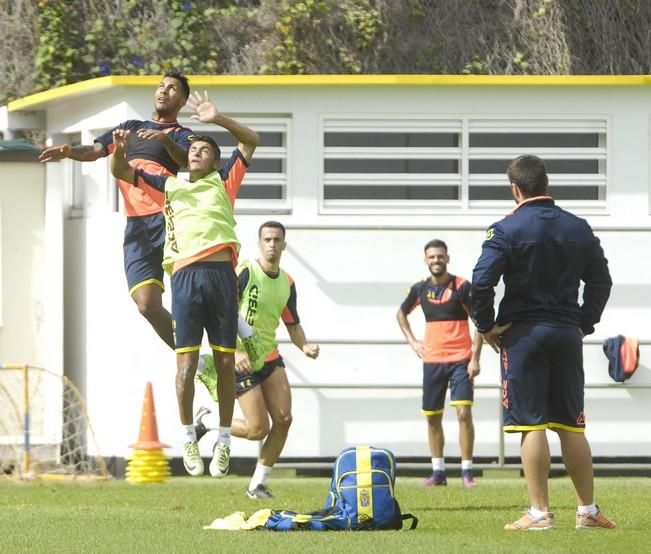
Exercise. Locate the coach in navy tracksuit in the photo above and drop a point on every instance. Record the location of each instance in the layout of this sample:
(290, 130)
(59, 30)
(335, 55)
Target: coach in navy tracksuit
(543, 253)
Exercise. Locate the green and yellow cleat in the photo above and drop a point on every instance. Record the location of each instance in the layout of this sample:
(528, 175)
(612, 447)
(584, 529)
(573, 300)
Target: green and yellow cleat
(209, 376)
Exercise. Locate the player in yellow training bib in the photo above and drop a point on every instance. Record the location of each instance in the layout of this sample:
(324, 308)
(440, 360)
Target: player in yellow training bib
(267, 295)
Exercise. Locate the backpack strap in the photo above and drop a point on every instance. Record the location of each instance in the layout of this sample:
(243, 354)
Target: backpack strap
(414, 520)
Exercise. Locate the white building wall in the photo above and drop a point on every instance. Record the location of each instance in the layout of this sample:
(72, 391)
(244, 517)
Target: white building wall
(352, 272)
(21, 263)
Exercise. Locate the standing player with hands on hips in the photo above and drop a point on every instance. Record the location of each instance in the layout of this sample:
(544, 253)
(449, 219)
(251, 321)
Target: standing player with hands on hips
(543, 253)
(449, 356)
(201, 250)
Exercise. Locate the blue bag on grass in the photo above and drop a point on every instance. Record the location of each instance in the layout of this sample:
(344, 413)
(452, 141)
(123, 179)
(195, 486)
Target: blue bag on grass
(361, 496)
(331, 519)
(363, 484)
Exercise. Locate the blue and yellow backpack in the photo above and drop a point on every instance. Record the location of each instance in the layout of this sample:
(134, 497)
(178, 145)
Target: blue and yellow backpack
(361, 497)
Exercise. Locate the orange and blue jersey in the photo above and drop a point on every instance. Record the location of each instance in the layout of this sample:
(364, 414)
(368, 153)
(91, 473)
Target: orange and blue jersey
(150, 156)
(446, 308)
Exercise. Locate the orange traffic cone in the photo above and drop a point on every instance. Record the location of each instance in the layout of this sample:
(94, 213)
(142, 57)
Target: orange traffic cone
(148, 464)
(148, 437)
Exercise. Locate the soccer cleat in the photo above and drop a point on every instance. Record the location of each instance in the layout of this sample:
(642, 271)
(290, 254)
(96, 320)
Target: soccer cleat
(467, 479)
(192, 459)
(221, 458)
(253, 347)
(199, 428)
(596, 521)
(530, 523)
(209, 376)
(261, 492)
(438, 478)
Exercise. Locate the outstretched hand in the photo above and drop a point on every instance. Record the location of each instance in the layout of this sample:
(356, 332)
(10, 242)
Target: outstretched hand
(206, 111)
(55, 153)
(121, 139)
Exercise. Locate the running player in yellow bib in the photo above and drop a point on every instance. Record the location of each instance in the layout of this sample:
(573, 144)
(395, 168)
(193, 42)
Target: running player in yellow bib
(267, 296)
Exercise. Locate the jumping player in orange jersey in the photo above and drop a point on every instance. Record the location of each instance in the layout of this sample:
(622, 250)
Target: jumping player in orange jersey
(201, 248)
(448, 354)
(159, 146)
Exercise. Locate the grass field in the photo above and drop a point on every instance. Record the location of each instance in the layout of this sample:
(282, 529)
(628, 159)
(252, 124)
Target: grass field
(115, 516)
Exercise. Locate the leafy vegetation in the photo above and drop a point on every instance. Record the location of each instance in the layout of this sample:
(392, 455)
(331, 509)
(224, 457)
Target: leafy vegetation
(49, 43)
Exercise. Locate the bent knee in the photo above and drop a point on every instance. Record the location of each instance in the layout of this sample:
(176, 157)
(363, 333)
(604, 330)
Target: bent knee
(147, 308)
(257, 433)
(283, 421)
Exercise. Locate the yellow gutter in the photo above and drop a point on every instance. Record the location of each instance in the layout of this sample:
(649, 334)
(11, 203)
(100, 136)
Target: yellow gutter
(198, 81)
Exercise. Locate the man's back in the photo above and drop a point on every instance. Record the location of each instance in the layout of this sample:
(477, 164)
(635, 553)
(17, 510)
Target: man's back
(543, 253)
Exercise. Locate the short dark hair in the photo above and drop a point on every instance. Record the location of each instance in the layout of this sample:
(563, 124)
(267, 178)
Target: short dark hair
(182, 79)
(209, 140)
(436, 243)
(273, 225)
(528, 172)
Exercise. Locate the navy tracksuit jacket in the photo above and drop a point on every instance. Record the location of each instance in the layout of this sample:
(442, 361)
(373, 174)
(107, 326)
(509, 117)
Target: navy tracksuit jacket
(543, 253)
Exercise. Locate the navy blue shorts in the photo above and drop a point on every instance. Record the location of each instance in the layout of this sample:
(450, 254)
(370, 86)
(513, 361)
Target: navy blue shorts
(542, 378)
(244, 383)
(144, 239)
(436, 377)
(204, 296)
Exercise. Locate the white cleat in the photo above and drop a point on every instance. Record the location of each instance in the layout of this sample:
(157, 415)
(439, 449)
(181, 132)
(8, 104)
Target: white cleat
(221, 460)
(192, 459)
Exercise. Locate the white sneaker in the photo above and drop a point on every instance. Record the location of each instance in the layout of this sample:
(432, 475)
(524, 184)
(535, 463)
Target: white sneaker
(221, 460)
(192, 459)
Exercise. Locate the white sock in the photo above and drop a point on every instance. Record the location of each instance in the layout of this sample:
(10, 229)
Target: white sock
(591, 509)
(438, 464)
(244, 330)
(188, 433)
(466, 464)
(259, 476)
(224, 436)
(536, 513)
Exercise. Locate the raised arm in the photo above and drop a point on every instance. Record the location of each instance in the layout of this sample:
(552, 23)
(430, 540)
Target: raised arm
(119, 165)
(175, 150)
(207, 112)
(81, 153)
